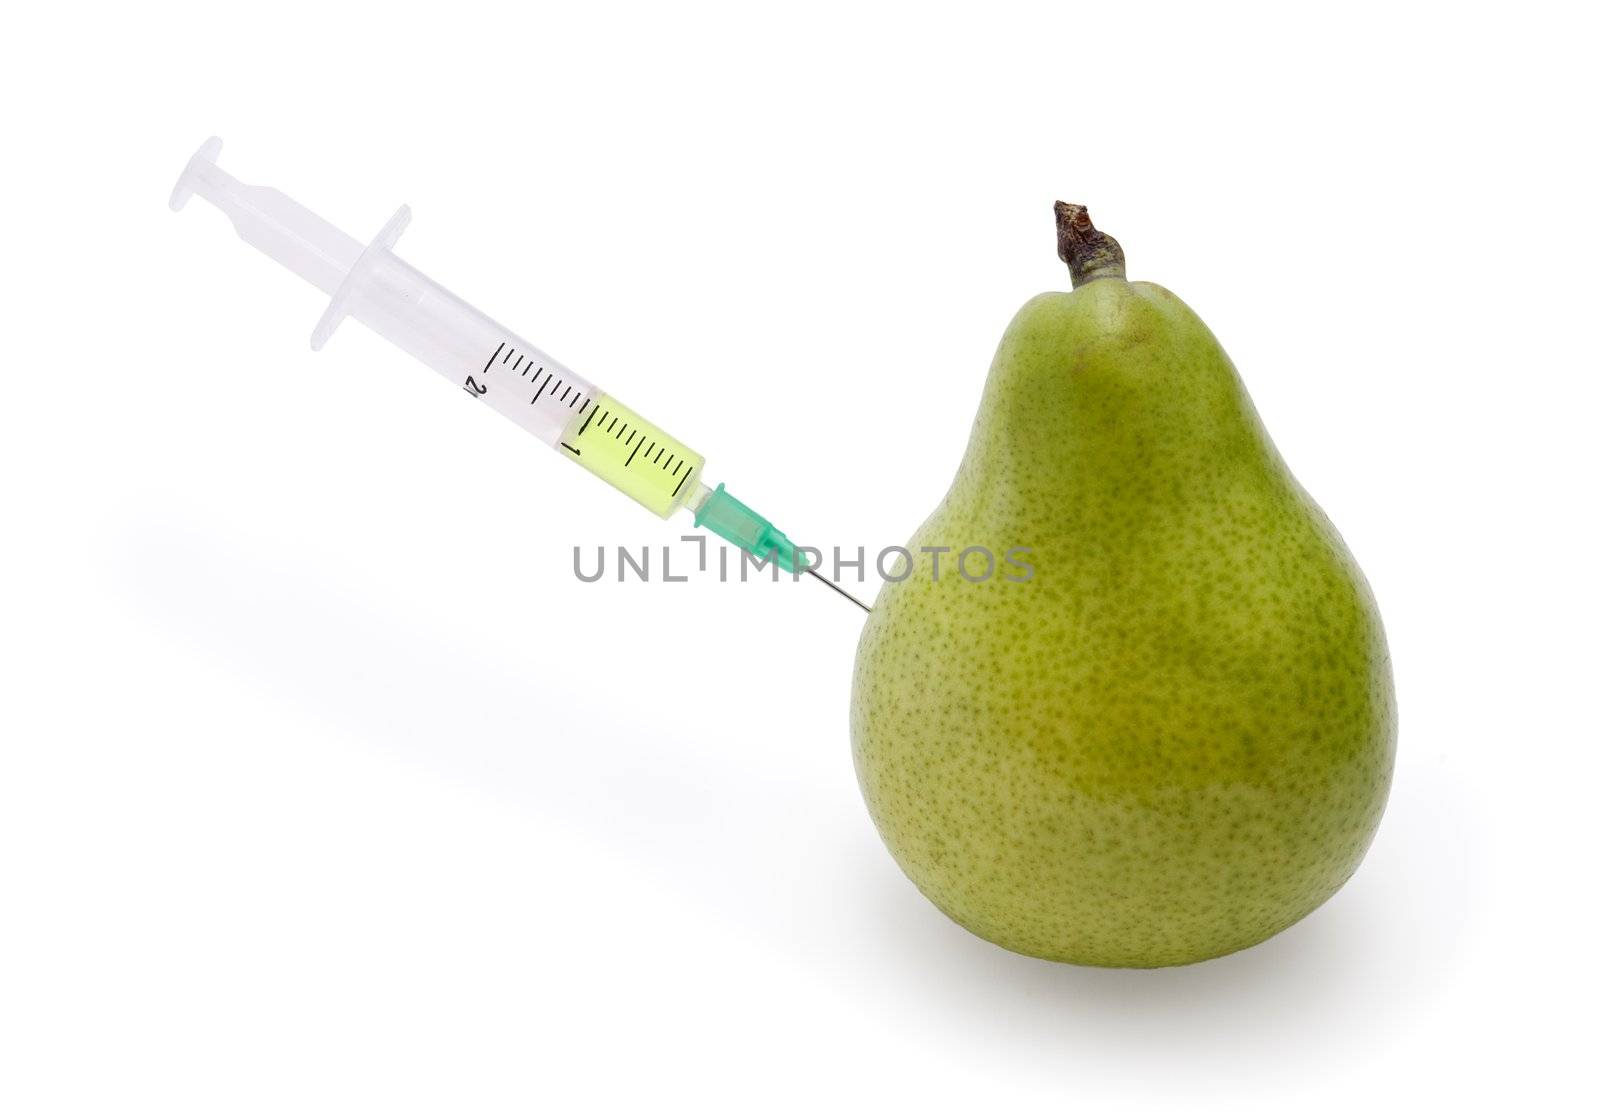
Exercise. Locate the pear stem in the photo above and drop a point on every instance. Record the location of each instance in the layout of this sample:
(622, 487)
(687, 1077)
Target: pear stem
(1090, 254)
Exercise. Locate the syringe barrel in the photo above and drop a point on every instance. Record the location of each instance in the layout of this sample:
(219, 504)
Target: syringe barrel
(518, 380)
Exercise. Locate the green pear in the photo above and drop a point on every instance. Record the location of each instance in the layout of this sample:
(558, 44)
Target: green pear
(1159, 726)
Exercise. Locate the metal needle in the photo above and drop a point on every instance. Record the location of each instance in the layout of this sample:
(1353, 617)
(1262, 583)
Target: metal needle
(837, 587)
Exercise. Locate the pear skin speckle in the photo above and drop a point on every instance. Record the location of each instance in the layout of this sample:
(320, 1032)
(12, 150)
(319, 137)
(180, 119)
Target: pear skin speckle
(1176, 737)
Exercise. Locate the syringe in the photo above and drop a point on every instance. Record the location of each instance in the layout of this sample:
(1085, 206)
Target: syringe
(515, 378)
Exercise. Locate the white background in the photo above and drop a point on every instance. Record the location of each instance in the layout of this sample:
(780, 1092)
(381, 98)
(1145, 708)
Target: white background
(328, 790)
